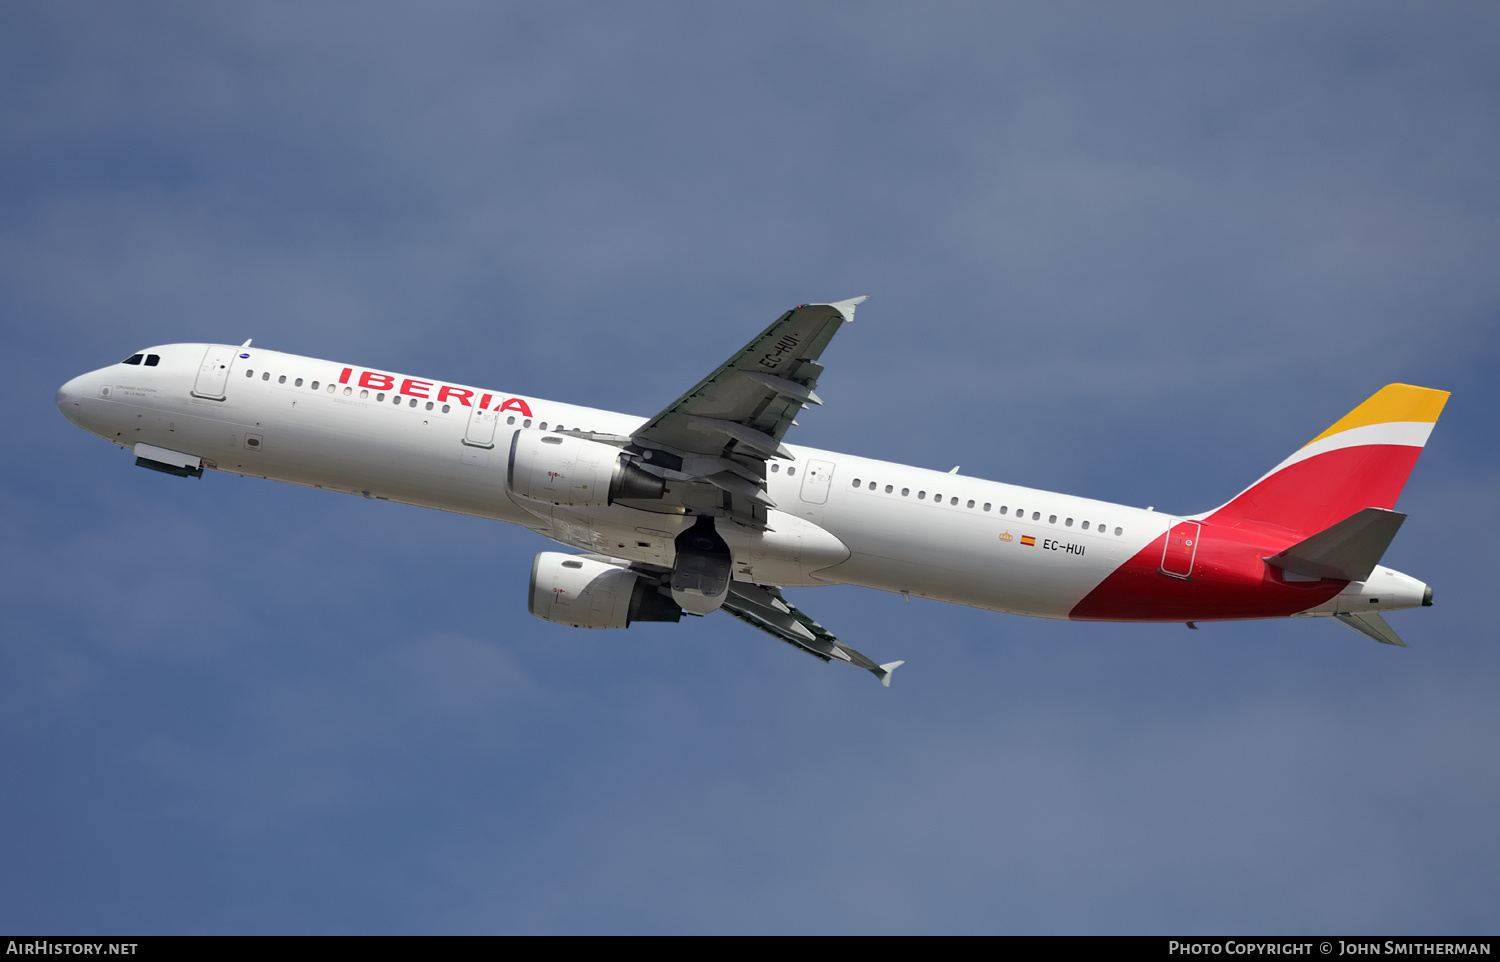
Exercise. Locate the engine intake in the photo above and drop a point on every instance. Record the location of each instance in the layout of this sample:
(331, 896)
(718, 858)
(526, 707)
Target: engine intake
(566, 470)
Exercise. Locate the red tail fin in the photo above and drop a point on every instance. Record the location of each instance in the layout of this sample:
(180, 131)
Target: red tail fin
(1363, 461)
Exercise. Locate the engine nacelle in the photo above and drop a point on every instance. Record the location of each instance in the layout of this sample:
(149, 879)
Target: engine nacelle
(587, 593)
(566, 470)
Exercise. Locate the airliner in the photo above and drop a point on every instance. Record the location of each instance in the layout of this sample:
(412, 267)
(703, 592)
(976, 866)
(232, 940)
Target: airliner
(704, 507)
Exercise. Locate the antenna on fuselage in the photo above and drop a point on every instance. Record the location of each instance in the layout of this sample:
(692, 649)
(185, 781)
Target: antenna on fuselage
(247, 342)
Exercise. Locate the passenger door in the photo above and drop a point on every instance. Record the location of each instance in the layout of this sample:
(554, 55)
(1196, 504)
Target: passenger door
(213, 373)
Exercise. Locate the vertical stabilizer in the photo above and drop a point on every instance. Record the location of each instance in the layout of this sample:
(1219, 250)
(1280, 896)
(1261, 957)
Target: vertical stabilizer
(1362, 461)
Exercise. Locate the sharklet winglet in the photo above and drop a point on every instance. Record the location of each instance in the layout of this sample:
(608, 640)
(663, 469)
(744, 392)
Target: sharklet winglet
(884, 674)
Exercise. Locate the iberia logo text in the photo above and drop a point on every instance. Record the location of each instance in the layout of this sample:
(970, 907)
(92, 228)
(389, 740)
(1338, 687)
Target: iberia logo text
(412, 387)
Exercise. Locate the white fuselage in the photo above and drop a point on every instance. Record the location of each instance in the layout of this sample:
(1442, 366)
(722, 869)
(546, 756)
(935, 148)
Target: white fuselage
(839, 519)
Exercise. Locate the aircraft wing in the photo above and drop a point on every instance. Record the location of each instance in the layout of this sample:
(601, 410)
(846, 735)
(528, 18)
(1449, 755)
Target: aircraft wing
(714, 441)
(746, 405)
(764, 608)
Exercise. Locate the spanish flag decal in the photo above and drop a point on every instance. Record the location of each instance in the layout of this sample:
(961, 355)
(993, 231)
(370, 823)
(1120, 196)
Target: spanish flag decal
(1028, 540)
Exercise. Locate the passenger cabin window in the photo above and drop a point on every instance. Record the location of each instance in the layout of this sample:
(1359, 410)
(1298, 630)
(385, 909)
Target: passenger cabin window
(152, 360)
(1117, 531)
(133, 359)
(856, 482)
(790, 472)
(249, 373)
(888, 490)
(315, 385)
(298, 382)
(512, 420)
(445, 409)
(266, 376)
(281, 380)
(872, 485)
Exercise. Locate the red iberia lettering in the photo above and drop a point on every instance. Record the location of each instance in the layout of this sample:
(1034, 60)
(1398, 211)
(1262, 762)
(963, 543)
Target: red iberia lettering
(418, 388)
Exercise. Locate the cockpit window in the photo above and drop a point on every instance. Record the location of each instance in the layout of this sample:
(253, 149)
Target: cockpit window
(133, 359)
(152, 360)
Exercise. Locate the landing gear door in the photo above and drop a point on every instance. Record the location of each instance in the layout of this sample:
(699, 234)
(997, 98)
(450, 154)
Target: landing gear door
(481, 430)
(816, 477)
(1180, 550)
(213, 373)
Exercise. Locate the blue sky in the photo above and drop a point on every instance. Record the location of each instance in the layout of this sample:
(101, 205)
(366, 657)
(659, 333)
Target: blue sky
(1135, 252)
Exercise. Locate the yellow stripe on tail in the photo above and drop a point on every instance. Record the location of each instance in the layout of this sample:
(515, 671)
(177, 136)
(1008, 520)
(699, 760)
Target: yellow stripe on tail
(1394, 402)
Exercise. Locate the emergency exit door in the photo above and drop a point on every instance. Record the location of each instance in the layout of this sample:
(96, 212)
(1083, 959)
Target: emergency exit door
(481, 430)
(816, 476)
(1180, 550)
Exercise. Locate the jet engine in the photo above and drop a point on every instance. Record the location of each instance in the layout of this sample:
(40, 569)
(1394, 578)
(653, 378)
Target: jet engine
(586, 592)
(701, 573)
(568, 470)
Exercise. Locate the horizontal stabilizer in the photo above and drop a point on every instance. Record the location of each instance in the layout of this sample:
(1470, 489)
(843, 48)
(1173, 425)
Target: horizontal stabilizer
(1347, 551)
(1371, 625)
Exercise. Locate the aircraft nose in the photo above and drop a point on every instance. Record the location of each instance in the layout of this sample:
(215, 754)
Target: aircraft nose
(69, 397)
